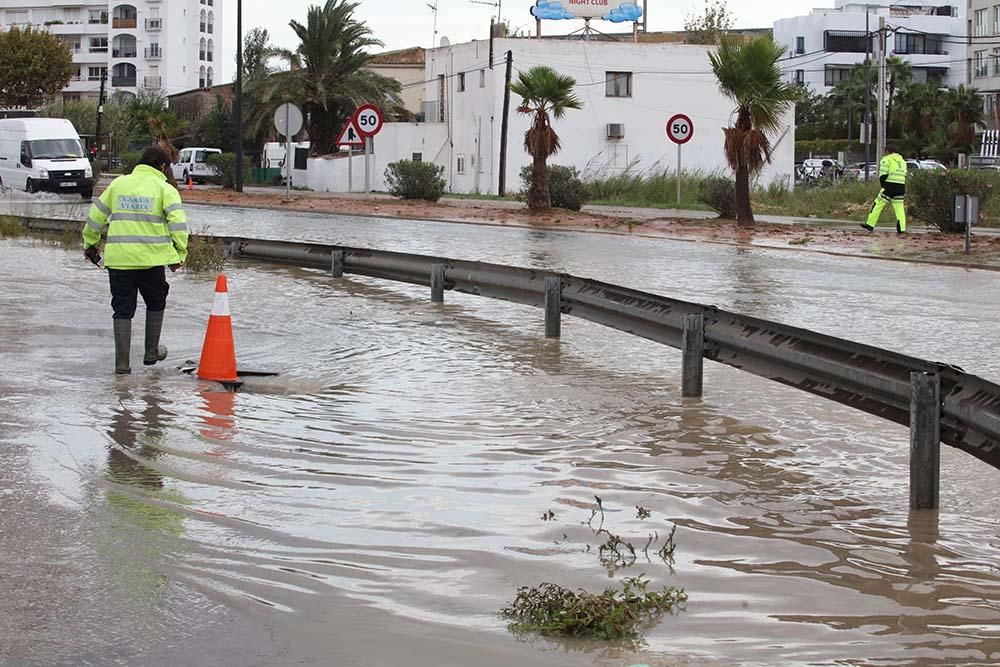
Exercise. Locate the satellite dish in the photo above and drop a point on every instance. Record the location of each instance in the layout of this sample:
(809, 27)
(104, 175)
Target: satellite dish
(445, 41)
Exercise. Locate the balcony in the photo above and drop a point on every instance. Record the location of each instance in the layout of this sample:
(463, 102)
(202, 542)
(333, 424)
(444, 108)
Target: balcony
(154, 52)
(846, 41)
(154, 25)
(124, 24)
(128, 52)
(123, 81)
(152, 82)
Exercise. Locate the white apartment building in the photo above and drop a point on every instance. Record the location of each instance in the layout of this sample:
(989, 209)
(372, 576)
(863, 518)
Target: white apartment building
(824, 44)
(156, 45)
(629, 92)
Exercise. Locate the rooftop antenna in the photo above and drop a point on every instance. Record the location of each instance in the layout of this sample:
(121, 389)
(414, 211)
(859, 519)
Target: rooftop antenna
(433, 6)
(498, 4)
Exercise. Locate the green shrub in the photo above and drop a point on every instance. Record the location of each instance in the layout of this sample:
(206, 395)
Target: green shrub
(129, 160)
(930, 195)
(225, 164)
(407, 179)
(719, 194)
(566, 190)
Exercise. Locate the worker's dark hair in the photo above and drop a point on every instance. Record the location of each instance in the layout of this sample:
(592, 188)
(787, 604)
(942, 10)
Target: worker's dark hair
(889, 148)
(155, 157)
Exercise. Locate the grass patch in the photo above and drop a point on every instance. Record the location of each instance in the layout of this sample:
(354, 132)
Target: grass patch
(848, 200)
(655, 188)
(10, 227)
(205, 254)
(552, 610)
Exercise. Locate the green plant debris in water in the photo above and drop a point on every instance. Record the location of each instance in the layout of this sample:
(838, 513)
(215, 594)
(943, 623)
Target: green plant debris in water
(10, 227)
(549, 609)
(205, 254)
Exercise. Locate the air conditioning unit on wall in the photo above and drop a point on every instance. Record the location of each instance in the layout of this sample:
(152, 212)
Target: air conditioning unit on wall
(616, 130)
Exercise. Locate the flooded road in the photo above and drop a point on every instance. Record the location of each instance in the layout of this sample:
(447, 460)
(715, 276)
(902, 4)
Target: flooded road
(379, 502)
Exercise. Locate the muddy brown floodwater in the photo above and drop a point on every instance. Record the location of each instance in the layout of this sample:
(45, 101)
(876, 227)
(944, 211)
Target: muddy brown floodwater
(382, 499)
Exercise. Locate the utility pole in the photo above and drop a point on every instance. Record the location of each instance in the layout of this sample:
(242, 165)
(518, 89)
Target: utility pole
(238, 101)
(100, 114)
(883, 90)
(493, 29)
(867, 138)
(502, 190)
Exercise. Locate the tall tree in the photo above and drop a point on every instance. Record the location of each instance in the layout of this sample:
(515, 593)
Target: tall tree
(711, 25)
(326, 75)
(546, 95)
(34, 65)
(749, 74)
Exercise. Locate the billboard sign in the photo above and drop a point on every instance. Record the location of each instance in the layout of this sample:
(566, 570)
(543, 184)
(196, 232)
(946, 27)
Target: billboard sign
(617, 11)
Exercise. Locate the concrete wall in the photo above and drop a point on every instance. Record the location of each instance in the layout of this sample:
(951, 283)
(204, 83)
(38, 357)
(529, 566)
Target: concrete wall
(396, 141)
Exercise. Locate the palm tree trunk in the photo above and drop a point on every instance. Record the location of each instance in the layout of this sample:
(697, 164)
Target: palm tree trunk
(538, 194)
(744, 213)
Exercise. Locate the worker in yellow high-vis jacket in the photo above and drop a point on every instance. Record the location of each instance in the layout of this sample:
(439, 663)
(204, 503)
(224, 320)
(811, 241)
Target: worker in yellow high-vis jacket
(892, 176)
(146, 228)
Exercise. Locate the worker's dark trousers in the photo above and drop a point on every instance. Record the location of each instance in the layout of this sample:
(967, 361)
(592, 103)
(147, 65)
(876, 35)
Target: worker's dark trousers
(151, 283)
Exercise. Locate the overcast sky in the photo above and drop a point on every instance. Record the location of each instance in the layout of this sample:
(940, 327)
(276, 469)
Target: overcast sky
(403, 23)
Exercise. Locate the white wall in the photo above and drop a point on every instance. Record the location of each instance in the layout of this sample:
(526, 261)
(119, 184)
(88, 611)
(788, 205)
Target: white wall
(814, 60)
(396, 141)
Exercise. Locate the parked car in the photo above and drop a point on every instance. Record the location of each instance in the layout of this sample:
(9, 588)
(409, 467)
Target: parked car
(44, 154)
(856, 171)
(931, 165)
(193, 162)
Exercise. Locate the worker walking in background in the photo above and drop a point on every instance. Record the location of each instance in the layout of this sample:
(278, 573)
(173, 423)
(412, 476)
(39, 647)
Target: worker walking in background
(892, 176)
(146, 227)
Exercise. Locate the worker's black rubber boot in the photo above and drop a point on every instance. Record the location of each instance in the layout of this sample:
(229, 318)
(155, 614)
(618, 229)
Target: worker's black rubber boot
(865, 227)
(154, 351)
(123, 346)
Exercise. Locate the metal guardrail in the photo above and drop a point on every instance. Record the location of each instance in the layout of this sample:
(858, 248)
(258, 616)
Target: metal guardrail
(937, 401)
(867, 378)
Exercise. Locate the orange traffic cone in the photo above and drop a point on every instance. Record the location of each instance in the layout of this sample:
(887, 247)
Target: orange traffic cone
(190, 182)
(218, 354)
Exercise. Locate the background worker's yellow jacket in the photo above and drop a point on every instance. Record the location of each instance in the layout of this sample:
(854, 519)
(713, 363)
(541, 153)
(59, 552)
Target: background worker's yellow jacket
(144, 220)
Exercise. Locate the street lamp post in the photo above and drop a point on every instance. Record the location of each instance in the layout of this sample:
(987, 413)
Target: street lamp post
(868, 95)
(238, 101)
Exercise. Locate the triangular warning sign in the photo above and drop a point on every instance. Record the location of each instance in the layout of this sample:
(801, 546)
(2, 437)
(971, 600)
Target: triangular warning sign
(350, 136)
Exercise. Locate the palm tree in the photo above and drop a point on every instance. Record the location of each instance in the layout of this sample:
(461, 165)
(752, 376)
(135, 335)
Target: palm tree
(965, 108)
(749, 74)
(543, 92)
(900, 74)
(325, 72)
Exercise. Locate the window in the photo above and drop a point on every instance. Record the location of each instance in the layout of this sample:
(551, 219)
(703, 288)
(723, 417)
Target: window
(201, 49)
(482, 78)
(979, 23)
(208, 79)
(996, 19)
(211, 22)
(461, 82)
(800, 77)
(210, 51)
(460, 164)
(845, 41)
(417, 157)
(996, 62)
(98, 45)
(201, 77)
(201, 21)
(836, 74)
(981, 66)
(16, 17)
(96, 73)
(920, 44)
(71, 15)
(800, 44)
(618, 84)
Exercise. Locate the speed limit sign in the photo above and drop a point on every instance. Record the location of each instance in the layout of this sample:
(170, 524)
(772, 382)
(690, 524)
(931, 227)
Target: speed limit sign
(680, 129)
(369, 120)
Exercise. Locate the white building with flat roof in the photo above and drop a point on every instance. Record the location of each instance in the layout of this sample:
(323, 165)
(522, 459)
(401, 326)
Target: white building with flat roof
(154, 45)
(629, 92)
(823, 45)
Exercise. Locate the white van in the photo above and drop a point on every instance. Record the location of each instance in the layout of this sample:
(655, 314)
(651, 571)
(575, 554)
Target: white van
(43, 154)
(193, 162)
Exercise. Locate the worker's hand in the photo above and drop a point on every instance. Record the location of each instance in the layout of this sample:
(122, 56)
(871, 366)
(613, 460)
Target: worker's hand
(174, 267)
(92, 255)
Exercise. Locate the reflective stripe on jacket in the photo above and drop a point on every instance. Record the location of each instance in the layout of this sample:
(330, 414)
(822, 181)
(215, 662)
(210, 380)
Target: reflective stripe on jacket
(144, 220)
(893, 167)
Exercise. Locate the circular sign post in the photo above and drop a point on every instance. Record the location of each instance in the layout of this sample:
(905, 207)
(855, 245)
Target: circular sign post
(288, 123)
(369, 120)
(680, 129)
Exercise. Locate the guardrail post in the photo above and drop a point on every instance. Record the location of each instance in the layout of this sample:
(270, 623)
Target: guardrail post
(553, 307)
(337, 263)
(693, 364)
(437, 283)
(925, 440)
